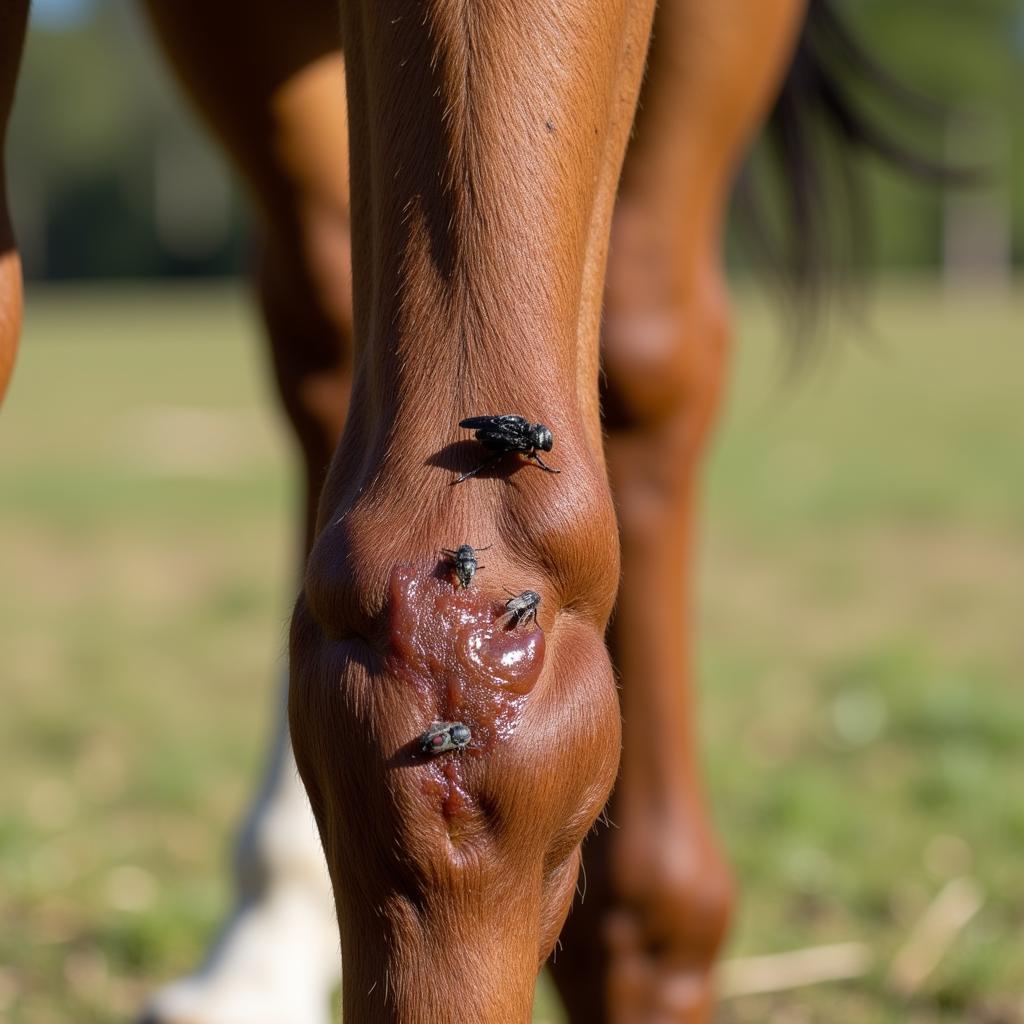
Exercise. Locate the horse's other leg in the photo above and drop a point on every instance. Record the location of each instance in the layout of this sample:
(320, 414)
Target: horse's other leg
(487, 140)
(270, 82)
(659, 896)
(13, 17)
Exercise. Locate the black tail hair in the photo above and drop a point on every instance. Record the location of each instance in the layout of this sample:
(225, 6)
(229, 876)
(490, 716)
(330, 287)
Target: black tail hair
(820, 120)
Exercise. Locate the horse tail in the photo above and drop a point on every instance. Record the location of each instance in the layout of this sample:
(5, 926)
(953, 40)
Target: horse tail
(835, 103)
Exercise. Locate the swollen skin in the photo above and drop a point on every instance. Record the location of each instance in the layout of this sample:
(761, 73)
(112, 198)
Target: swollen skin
(464, 664)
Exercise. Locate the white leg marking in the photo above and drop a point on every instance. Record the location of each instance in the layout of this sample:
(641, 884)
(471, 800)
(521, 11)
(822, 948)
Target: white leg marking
(277, 956)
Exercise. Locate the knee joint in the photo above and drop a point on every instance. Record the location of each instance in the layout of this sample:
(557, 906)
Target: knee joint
(680, 907)
(378, 654)
(380, 602)
(663, 363)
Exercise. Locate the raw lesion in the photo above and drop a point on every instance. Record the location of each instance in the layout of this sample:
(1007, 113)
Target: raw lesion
(453, 645)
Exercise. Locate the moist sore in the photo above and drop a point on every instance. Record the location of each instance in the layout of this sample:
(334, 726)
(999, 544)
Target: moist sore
(467, 666)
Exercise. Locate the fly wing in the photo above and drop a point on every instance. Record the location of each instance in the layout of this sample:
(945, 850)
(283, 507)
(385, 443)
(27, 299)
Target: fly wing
(507, 421)
(502, 433)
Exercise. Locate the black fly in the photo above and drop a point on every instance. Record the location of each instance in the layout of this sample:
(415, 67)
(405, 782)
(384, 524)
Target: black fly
(522, 608)
(504, 434)
(464, 562)
(444, 736)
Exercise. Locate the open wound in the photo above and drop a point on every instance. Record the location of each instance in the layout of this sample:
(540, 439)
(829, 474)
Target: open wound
(472, 662)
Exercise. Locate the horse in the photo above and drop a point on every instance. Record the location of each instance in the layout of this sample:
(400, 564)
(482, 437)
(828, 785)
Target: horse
(469, 210)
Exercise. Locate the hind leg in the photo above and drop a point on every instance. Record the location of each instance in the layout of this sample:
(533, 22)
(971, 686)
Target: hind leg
(659, 895)
(13, 17)
(270, 83)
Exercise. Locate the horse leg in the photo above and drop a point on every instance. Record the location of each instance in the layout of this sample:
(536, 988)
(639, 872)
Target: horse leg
(659, 895)
(487, 141)
(270, 83)
(13, 17)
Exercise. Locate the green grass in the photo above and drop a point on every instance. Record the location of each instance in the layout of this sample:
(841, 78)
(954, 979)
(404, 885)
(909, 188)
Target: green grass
(861, 589)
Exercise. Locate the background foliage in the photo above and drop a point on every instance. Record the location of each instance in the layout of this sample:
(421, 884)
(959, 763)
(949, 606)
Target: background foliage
(111, 176)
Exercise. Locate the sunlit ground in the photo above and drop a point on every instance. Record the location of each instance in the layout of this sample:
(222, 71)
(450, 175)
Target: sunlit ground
(862, 645)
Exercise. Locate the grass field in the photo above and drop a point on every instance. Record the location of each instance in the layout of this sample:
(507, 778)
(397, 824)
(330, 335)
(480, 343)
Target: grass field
(862, 598)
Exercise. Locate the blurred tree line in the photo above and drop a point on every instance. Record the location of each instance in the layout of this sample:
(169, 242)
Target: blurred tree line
(112, 176)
